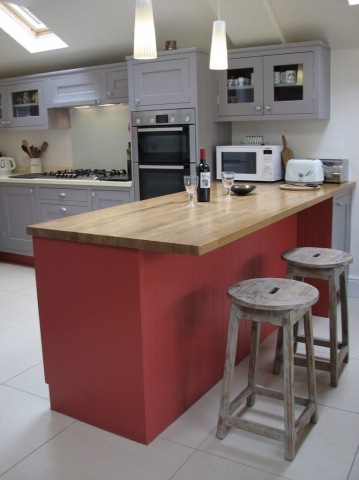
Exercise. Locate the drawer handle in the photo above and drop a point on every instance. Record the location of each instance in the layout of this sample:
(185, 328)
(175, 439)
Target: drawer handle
(62, 194)
(31, 190)
(137, 102)
(340, 204)
(63, 209)
(93, 194)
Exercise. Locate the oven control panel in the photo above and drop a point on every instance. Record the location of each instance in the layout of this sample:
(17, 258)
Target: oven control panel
(183, 116)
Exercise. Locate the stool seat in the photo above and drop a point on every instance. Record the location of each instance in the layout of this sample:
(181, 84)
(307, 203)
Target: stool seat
(275, 294)
(279, 302)
(324, 264)
(317, 257)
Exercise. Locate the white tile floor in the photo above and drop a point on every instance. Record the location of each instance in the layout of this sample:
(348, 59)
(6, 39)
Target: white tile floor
(38, 444)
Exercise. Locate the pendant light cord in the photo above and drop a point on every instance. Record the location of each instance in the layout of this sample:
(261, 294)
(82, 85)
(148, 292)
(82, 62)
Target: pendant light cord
(218, 11)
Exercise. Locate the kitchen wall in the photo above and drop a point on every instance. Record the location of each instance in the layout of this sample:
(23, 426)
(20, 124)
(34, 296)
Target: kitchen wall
(98, 137)
(335, 138)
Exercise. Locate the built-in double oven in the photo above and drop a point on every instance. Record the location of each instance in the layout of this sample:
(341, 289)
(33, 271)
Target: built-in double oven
(164, 151)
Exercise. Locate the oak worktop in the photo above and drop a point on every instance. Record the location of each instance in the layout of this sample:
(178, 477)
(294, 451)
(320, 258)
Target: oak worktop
(166, 224)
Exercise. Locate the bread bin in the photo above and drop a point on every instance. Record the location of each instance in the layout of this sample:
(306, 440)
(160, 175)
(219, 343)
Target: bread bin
(335, 171)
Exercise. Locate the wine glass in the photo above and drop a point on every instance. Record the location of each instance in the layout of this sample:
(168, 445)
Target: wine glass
(228, 181)
(190, 182)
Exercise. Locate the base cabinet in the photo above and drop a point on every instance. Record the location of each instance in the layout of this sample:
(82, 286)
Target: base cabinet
(25, 205)
(109, 198)
(19, 209)
(342, 222)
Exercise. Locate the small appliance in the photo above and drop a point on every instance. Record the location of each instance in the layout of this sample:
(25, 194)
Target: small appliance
(335, 171)
(304, 171)
(7, 165)
(251, 163)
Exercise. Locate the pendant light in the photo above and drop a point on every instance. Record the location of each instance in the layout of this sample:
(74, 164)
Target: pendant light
(145, 37)
(218, 58)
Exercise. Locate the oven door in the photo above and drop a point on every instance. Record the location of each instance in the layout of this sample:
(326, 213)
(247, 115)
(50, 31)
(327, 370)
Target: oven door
(157, 180)
(166, 144)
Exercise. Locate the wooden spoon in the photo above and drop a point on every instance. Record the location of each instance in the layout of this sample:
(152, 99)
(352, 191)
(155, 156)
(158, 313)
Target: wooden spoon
(43, 148)
(26, 146)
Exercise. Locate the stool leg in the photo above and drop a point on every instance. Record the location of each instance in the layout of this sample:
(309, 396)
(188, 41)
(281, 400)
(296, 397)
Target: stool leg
(344, 310)
(228, 371)
(253, 361)
(289, 419)
(333, 338)
(309, 345)
(278, 352)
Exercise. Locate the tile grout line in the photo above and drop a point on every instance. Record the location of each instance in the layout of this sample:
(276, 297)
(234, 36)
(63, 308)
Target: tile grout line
(36, 449)
(351, 468)
(24, 391)
(24, 371)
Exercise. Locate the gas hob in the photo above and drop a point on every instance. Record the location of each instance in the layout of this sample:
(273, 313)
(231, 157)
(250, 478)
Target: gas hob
(80, 174)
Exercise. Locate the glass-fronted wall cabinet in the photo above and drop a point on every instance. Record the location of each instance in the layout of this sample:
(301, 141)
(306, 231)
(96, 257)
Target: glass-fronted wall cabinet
(276, 83)
(24, 105)
(2, 108)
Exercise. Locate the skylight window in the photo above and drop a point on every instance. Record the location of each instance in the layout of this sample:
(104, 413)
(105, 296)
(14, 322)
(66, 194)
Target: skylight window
(24, 27)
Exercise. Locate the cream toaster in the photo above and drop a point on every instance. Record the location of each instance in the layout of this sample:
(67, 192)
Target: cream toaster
(305, 171)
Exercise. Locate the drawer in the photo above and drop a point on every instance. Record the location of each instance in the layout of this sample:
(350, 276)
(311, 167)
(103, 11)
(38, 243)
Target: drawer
(63, 194)
(53, 212)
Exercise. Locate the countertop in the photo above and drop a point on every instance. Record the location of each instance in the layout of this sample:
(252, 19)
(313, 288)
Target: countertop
(62, 181)
(166, 224)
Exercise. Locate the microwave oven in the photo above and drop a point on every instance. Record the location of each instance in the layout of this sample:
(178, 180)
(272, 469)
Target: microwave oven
(254, 163)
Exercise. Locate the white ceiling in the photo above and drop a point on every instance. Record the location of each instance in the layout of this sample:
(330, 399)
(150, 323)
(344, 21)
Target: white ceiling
(101, 31)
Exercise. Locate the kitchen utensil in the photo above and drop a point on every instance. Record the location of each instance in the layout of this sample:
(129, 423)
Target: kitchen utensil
(7, 164)
(243, 189)
(25, 147)
(304, 171)
(43, 147)
(25, 150)
(287, 153)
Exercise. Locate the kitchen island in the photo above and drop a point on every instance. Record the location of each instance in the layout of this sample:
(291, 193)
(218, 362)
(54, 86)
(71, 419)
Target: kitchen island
(133, 299)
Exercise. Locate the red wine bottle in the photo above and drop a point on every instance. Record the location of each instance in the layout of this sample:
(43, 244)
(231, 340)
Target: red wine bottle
(204, 180)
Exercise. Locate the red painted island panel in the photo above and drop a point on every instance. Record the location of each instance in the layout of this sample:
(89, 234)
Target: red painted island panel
(132, 338)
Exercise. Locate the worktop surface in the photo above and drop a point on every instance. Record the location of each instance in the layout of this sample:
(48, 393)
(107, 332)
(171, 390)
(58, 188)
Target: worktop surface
(167, 224)
(45, 181)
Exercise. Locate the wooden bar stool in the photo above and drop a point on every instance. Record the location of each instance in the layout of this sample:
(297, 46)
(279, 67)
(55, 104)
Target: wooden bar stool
(325, 264)
(279, 302)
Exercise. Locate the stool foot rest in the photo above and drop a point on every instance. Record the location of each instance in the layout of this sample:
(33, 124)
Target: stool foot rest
(237, 402)
(320, 342)
(253, 427)
(324, 365)
(298, 400)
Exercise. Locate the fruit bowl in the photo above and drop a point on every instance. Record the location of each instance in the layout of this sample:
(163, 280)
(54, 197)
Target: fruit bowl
(242, 189)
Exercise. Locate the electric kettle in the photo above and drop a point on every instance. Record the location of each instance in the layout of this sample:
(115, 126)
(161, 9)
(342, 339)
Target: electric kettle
(7, 164)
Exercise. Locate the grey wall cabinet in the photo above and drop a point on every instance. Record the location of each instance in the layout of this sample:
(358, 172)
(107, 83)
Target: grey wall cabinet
(110, 198)
(19, 209)
(114, 85)
(169, 81)
(74, 89)
(23, 106)
(342, 222)
(283, 82)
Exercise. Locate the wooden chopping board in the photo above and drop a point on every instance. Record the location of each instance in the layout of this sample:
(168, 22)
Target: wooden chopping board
(287, 153)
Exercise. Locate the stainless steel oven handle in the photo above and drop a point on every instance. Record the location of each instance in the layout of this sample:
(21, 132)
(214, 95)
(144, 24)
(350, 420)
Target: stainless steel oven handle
(161, 129)
(161, 167)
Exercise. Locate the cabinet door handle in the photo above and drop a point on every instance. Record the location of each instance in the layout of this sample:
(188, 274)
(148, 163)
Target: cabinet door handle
(340, 204)
(63, 209)
(62, 194)
(109, 94)
(31, 190)
(8, 122)
(258, 109)
(4, 122)
(267, 109)
(137, 102)
(93, 194)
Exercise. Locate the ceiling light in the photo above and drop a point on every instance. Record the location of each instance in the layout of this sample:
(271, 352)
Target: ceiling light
(353, 2)
(219, 58)
(27, 30)
(145, 37)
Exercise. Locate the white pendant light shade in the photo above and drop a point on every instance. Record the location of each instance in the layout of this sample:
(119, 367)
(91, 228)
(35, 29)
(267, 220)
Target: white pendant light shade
(145, 37)
(219, 58)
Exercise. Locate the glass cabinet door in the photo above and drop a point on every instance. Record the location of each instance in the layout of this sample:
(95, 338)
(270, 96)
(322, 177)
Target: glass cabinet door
(240, 88)
(288, 84)
(3, 118)
(25, 108)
